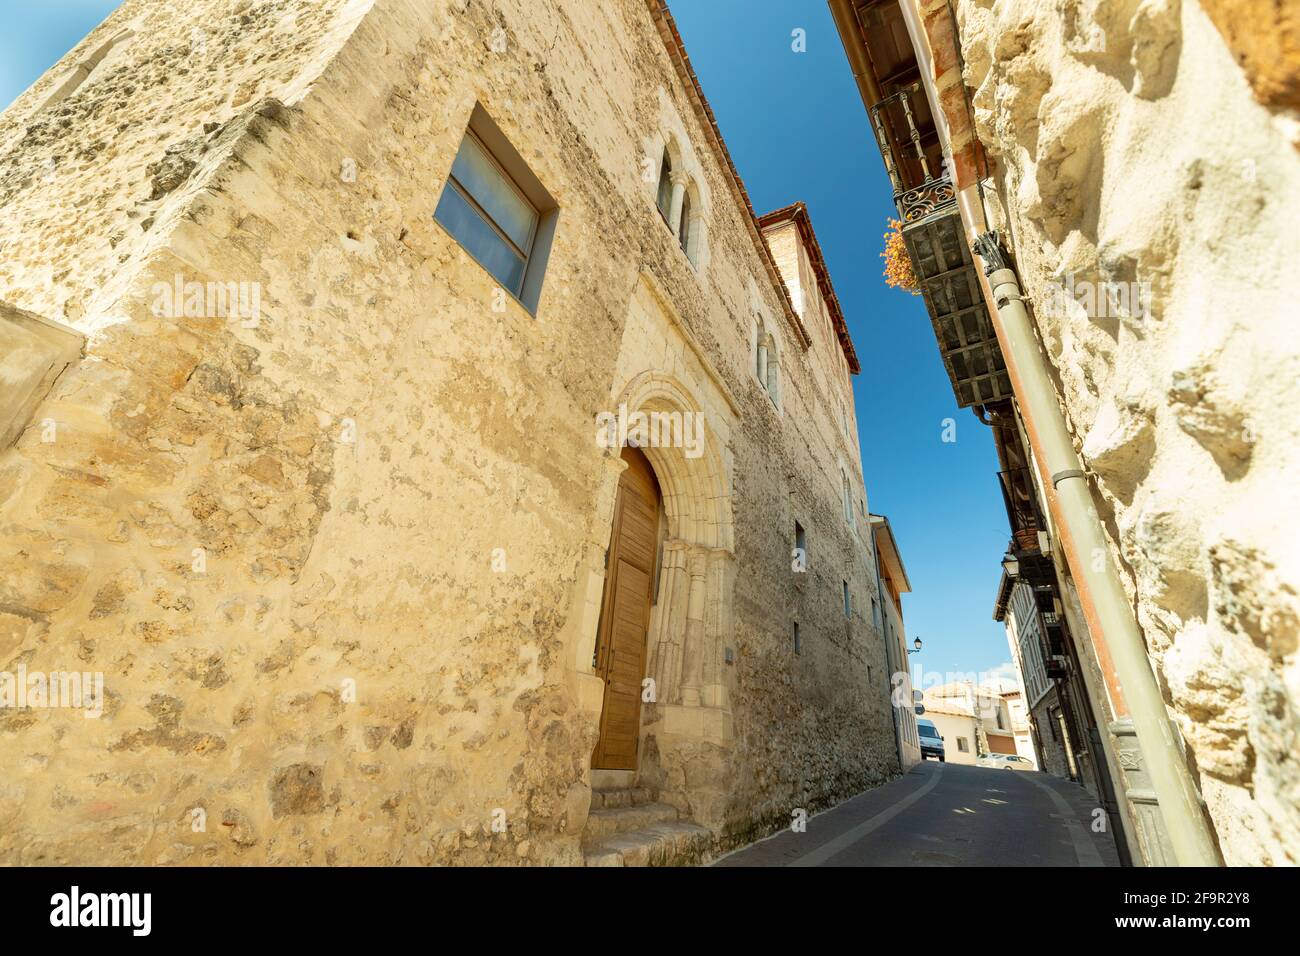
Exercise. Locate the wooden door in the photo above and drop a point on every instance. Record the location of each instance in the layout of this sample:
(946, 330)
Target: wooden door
(625, 612)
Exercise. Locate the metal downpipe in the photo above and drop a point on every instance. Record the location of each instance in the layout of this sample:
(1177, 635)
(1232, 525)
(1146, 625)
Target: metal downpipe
(1180, 805)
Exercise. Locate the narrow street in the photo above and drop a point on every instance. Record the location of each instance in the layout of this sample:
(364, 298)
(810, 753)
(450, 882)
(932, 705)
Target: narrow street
(947, 815)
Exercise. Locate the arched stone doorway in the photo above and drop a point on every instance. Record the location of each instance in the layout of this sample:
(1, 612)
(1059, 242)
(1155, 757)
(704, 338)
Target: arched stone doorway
(689, 625)
(692, 608)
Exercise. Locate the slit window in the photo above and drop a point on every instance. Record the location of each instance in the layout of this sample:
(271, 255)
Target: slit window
(684, 229)
(665, 198)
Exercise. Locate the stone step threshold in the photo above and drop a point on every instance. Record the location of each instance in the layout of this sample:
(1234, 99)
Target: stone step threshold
(605, 823)
(622, 797)
(675, 843)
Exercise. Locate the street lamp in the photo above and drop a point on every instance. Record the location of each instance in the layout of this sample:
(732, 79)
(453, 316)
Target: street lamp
(1010, 564)
(917, 644)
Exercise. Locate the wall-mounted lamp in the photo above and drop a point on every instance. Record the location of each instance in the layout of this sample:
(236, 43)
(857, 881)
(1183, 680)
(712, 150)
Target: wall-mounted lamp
(1010, 564)
(917, 644)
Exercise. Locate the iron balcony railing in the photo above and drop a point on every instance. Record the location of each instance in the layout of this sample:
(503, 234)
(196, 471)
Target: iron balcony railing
(1022, 509)
(914, 202)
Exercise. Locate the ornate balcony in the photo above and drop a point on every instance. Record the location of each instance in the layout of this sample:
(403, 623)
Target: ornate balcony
(946, 271)
(941, 258)
(926, 199)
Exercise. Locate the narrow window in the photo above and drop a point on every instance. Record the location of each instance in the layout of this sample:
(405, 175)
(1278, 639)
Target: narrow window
(962, 745)
(798, 647)
(664, 200)
(684, 229)
(875, 613)
(767, 362)
(773, 372)
(498, 211)
(848, 498)
(800, 545)
(848, 601)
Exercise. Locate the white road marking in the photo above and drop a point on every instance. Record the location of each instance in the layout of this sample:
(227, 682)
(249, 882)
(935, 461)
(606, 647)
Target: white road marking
(827, 850)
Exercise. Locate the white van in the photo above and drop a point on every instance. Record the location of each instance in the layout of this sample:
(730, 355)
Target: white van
(931, 742)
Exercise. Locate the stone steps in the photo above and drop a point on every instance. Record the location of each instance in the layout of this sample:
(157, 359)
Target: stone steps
(627, 826)
(614, 820)
(625, 797)
(675, 843)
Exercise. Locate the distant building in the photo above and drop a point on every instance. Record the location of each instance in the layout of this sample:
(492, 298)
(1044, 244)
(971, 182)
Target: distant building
(1056, 739)
(1020, 726)
(887, 618)
(972, 720)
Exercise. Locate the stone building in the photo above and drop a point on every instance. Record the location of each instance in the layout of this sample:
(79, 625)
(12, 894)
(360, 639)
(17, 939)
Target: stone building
(1041, 676)
(1132, 169)
(1021, 727)
(887, 615)
(329, 319)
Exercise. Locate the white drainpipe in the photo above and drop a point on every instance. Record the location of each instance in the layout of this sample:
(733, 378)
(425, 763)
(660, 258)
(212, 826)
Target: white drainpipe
(1180, 805)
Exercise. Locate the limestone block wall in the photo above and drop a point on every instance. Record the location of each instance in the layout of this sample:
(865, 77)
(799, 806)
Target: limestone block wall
(332, 558)
(1152, 206)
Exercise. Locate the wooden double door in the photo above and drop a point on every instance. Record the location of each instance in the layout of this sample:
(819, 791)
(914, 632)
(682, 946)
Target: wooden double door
(625, 612)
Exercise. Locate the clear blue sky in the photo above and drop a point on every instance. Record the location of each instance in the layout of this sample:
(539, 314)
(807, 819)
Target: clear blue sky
(797, 131)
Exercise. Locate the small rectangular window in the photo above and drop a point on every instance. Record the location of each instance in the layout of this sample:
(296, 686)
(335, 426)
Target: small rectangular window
(962, 745)
(875, 613)
(800, 547)
(798, 648)
(498, 211)
(848, 602)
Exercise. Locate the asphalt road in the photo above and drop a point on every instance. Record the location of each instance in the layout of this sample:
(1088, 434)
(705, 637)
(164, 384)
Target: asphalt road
(947, 815)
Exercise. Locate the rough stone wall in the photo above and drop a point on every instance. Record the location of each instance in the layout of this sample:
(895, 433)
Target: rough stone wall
(1050, 743)
(1129, 149)
(830, 702)
(276, 540)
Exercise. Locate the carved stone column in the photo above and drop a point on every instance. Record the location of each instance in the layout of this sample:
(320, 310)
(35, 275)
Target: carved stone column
(717, 625)
(693, 657)
(668, 623)
(678, 179)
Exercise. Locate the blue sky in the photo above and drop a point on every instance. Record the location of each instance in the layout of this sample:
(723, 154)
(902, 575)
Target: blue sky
(797, 131)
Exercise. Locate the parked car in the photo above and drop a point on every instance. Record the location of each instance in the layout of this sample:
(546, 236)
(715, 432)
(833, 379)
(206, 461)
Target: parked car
(1005, 762)
(931, 742)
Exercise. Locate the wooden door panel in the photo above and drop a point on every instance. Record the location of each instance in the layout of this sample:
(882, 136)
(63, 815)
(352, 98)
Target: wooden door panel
(621, 644)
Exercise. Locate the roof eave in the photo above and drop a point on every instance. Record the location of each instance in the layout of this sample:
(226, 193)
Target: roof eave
(798, 214)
